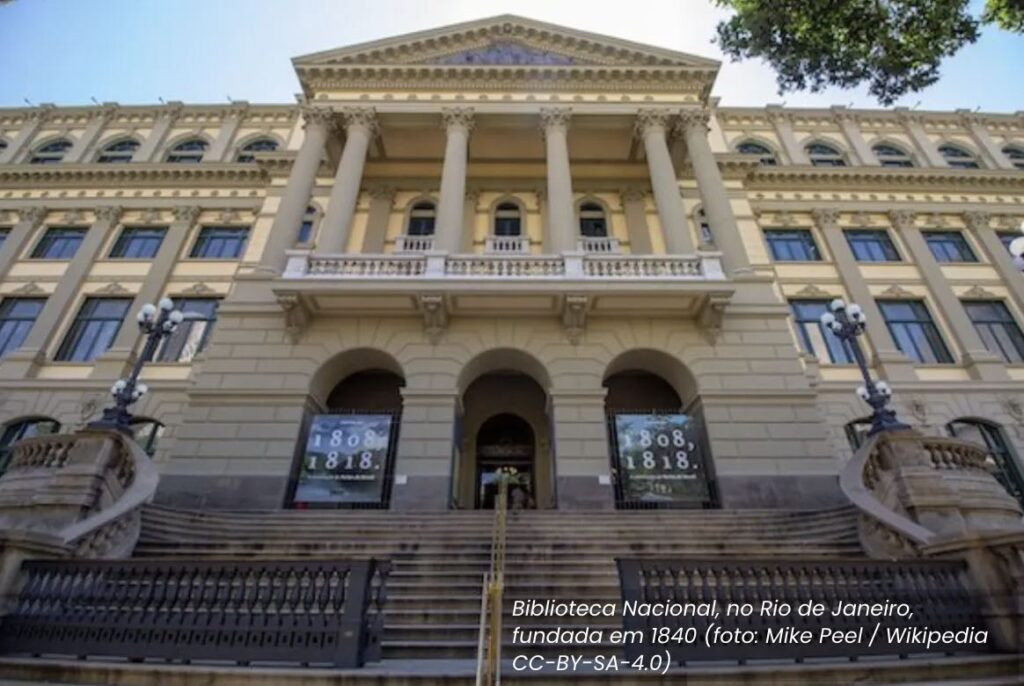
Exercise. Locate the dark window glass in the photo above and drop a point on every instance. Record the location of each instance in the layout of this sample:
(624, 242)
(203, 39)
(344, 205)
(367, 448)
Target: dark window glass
(188, 152)
(4, 232)
(997, 329)
(94, 329)
(220, 242)
(949, 246)
(1013, 153)
(421, 220)
(592, 221)
(815, 338)
(751, 148)
(58, 243)
(138, 243)
(915, 333)
(1007, 237)
(958, 157)
(118, 153)
(891, 156)
(17, 315)
(51, 153)
(792, 245)
(259, 145)
(857, 432)
(148, 433)
(306, 227)
(822, 155)
(872, 245)
(506, 220)
(193, 333)
(1006, 468)
(24, 428)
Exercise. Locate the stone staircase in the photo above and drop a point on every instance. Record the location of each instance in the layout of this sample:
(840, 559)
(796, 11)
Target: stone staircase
(439, 559)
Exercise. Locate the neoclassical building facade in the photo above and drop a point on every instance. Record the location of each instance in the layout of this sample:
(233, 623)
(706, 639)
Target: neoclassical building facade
(489, 246)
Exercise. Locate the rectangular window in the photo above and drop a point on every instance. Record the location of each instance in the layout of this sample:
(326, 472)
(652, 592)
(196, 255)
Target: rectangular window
(17, 315)
(915, 333)
(59, 243)
(815, 338)
(997, 329)
(193, 333)
(949, 246)
(872, 245)
(792, 245)
(138, 243)
(305, 231)
(94, 329)
(220, 242)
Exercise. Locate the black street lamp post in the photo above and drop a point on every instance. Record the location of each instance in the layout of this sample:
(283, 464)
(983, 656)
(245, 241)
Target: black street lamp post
(848, 322)
(156, 323)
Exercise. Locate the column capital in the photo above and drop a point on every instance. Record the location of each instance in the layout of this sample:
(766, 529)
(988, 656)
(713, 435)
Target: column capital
(33, 215)
(902, 219)
(382, 191)
(651, 119)
(316, 116)
(631, 194)
(173, 109)
(41, 113)
(360, 117)
(458, 117)
(186, 214)
(109, 213)
(555, 118)
(825, 217)
(694, 119)
(104, 111)
(977, 221)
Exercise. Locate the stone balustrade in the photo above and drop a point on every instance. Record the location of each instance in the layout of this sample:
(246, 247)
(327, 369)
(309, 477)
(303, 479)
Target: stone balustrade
(507, 244)
(605, 245)
(414, 243)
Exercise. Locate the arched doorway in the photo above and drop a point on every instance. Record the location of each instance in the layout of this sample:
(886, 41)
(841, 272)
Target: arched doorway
(505, 444)
(346, 451)
(503, 423)
(659, 449)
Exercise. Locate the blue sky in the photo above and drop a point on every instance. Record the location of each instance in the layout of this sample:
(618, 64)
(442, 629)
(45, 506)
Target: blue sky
(137, 51)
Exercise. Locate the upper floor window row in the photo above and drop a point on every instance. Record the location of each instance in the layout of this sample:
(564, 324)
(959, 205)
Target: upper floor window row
(872, 245)
(824, 155)
(1015, 155)
(767, 156)
(958, 157)
(949, 246)
(17, 315)
(188, 152)
(792, 245)
(892, 156)
(118, 152)
(59, 243)
(138, 242)
(51, 153)
(220, 242)
(247, 152)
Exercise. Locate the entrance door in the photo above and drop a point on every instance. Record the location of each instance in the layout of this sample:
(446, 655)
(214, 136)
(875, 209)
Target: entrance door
(505, 443)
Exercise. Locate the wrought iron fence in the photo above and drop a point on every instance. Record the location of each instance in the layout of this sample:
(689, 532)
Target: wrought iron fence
(934, 590)
(309, 611)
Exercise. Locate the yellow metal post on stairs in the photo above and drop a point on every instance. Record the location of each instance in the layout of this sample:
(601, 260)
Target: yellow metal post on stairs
(488, 665)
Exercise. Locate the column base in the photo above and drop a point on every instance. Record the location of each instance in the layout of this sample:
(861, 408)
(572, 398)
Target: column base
(22, 364)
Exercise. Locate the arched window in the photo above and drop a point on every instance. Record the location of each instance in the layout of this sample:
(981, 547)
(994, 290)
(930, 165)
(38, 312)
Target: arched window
(957, 157)
(593, 223)
(51, 153)
(148, 433)
(258, 145)
(119, 152)
(752, 148)
(28, 427)
(1012, 152)
(857, 432)
(507, 220)
(421, 219)
(1006, 467)
(189, 151)
(891, 156)
(308, 224)
(823, 155)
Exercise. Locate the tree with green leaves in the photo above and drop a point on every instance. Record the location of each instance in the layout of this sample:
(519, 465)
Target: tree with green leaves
(893, 46)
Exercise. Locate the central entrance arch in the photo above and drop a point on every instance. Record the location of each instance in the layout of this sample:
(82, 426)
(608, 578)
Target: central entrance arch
(504, 425)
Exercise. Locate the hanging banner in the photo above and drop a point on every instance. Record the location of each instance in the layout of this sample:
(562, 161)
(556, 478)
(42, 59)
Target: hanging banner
(345, 461)
(660, 459)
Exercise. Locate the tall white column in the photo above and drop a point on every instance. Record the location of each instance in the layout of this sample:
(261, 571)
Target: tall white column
(714, 198)
(288, 219)
(360, 128)
(651, 126)
(458, 123)
(561, 216)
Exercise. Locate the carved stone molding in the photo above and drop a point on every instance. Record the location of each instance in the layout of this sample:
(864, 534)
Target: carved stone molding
(710, 316)
(186, 214)
(361, 117)
(979, 293)
(33, 215)
(902, 219)
(109, 213)
(785, 218)
(555, 117)
(1012, 406)
(632, 194)
(296, 315)
(813, 291)
(228, 216)
(694, 118)
(897, 291)
(30, 288)
(74, 217)
(150, 217)
(458, 117)
(435, 316)
(651, 119)
(977, 221)
(825, 217)
(199, 288)
(574, 317)
(316, 116)
(382, 192)
(861, 219)
(113, 288)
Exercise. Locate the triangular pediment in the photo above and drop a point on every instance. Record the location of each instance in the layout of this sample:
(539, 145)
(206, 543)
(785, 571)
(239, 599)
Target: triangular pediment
(506, 40)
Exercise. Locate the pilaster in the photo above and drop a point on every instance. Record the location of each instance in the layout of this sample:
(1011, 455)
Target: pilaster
(17, 148)
(989, 150)
(636, 221)
(18, 237)
(783, 124)
(97, 122)
(979, 224)
(220, 151)
(382, 199)
(914, 124)
(849, 123)
(150, 148)
(580, 447)
(426, 450)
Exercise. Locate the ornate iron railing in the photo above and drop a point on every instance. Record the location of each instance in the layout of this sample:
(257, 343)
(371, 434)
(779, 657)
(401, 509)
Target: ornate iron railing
(934, 590)
(309, 611)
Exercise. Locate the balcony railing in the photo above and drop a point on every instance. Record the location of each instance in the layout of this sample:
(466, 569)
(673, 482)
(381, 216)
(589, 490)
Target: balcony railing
(507, 244)
(414, 243)
(602, 245)
(568, 266)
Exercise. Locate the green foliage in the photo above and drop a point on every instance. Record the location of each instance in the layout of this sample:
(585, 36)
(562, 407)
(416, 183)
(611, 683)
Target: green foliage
(1006, 14)
(894, 46)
